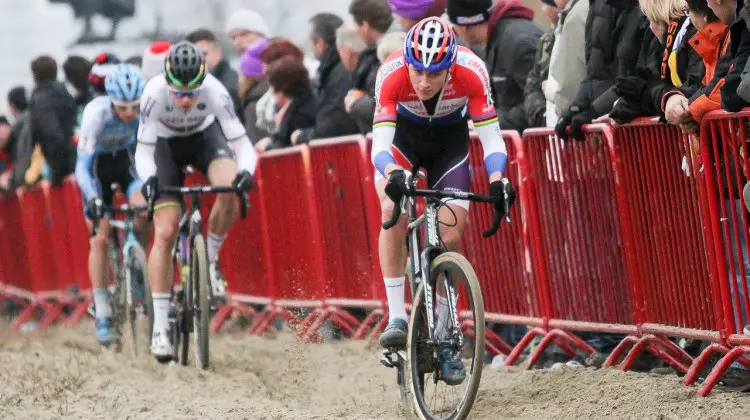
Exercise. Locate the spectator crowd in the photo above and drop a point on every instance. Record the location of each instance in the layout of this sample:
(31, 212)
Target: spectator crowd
(601, 61)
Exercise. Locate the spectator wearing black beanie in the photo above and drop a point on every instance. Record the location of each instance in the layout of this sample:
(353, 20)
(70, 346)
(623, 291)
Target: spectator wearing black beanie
(510, 38)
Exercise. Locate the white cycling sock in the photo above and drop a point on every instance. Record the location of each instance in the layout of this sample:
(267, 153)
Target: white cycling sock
(443, 315)
(101, 303)
(394, 290)
(214, 246)
(161, 312)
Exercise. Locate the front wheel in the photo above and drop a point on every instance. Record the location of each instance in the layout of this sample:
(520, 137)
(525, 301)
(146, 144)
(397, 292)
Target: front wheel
(433, 398)
(201, 300)
(136, 272)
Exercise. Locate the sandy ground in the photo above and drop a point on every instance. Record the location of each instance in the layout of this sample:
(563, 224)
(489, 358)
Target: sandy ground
(63, 373)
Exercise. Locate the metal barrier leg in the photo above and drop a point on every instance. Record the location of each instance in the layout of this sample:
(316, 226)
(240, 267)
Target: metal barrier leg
(701, 361)
(669, 358)
(378, 328)
(521, 346)
(23, 317)
(311, 323)
(345, 325)
(80, 308)
(366, 323)
(721, 368)
(618, 351)
(52, 311)
(221, 317)
(497, 344)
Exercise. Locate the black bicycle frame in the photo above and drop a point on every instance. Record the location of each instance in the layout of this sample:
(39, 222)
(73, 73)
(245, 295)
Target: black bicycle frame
(422, 258)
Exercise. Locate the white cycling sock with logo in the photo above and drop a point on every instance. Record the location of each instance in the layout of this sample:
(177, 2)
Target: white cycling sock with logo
(394, 290)
(101, 303)
(214, 246)
(443, 313)
(161, 312)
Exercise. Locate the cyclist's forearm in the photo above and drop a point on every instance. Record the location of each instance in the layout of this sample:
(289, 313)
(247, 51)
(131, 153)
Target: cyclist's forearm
(382, 139)
(493, 144)
(246, 157)
(145, 164)
(86, 182)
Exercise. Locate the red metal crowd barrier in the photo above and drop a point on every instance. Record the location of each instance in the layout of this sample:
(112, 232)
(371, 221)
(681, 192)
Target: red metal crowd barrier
(614, 234)
(502, 262)
(662, 219)
(725, 152)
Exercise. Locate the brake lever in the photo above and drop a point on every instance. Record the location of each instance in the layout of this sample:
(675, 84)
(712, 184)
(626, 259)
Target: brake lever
(394, 216)
(244, 203)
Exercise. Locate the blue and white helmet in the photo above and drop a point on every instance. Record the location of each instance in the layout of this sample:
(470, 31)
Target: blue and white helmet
(125, 83)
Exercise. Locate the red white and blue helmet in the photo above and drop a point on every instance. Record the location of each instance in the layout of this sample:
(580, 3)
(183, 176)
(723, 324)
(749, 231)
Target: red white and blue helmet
(431, 45)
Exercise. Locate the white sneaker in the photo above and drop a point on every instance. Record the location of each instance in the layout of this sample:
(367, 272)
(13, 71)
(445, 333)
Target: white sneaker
(218, 284)
(746, 331)
(161, 347)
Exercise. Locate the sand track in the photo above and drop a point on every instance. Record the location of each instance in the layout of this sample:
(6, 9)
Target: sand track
(62, 373)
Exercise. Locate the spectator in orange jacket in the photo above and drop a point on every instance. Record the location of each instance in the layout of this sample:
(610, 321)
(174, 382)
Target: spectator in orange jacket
(713, 44)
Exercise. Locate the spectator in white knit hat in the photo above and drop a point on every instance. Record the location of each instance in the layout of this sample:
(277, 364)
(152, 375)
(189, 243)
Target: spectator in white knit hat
(153, 59)
(246, 27)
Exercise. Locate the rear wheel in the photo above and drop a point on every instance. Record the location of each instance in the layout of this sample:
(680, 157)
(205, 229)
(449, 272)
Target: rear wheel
(201, 304)
(433, 398)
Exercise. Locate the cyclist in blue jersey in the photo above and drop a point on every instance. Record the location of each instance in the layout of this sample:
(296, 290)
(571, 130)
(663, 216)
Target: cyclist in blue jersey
(105, 156)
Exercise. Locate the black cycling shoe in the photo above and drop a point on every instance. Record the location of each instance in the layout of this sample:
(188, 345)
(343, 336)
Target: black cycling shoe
(394, 335)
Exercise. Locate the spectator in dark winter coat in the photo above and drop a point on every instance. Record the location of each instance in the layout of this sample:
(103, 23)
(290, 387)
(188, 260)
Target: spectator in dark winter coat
(673, 65)
(373, 19)
(535, 103)
(333, 83)
(77, 69)
(290, 84)
(217, 65)
(52, 114)
(510, 38)
(19, 144)
(611, 27)
(359, 60)
(5, 153)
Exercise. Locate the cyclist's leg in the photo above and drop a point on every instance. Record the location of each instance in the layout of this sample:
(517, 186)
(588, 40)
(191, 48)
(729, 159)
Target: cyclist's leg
(449, 171)
(392, 253)
(135, 198)
(217, 162)
(98, 257)
(166, 219)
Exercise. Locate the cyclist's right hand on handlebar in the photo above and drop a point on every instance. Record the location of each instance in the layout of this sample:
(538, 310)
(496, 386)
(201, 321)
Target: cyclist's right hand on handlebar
(398, 184)
(243, 181)
(94, 209)
(504, 190)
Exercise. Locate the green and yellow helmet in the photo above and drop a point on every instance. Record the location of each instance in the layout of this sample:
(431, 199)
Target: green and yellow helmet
(184, 66)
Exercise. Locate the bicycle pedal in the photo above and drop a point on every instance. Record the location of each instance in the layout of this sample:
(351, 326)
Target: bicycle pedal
(391, 358)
